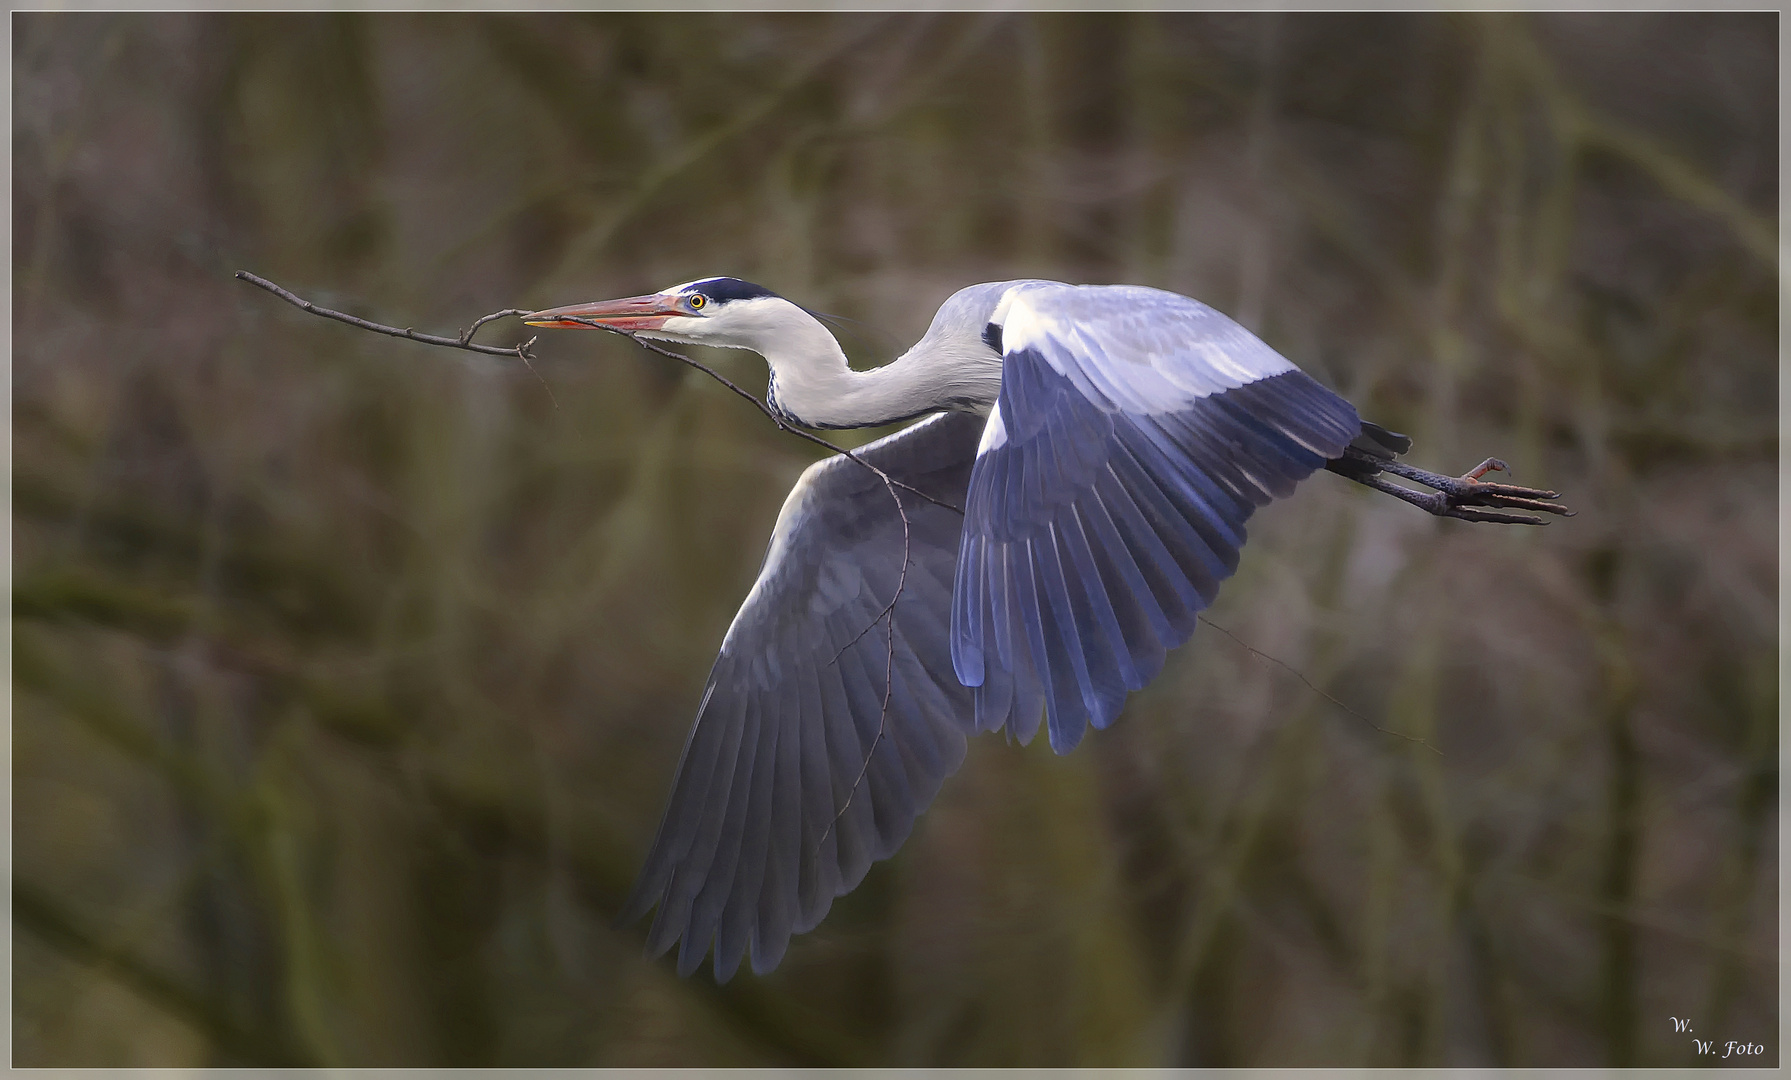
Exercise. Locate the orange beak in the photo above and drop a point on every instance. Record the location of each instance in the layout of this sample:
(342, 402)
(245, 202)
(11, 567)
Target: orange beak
(628, 313)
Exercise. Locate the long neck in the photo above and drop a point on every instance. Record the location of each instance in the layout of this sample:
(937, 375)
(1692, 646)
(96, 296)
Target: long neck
(811, 382)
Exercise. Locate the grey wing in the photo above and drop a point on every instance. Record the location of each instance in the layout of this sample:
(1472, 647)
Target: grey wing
(774, 811)
(1135, 433)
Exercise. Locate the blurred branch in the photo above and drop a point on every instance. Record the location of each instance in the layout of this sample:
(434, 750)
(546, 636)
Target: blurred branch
(595, 865)
(281, 590)
(1580, 123)
(924, 86)
(35, 911)
(655, 179)
(157, 619)
(1632, 912)
(1290, 669)
(79, 695)
(1223, 871)
(1755, 231)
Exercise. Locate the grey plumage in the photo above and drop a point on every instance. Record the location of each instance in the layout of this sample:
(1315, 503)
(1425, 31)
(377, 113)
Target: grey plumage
(783, 730)
(1105, 445)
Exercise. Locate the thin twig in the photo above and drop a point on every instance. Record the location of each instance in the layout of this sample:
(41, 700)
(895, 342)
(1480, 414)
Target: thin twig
(872, 625)
(1254, 651)
(782, 424)
(520, 351)
(467, 334)
(523, 352)
(888, 678)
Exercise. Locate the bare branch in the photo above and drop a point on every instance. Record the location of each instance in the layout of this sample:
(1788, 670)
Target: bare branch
(523, 352)
(462, 342)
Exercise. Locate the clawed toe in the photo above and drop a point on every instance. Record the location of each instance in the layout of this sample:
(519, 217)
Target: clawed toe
(1468, 492)
(1505, 491)
(1469, 513)
(1470, 498)
(1491, 464)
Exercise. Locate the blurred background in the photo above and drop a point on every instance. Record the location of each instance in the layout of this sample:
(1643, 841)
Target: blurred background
(349, 674)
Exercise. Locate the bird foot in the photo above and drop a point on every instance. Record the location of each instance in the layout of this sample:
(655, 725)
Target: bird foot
(1468, 497)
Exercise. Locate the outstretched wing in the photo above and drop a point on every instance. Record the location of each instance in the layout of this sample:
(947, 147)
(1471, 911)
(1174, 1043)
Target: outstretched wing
(754, 845)
(1136, 432)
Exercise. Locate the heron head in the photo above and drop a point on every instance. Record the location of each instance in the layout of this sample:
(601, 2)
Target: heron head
(720, 311)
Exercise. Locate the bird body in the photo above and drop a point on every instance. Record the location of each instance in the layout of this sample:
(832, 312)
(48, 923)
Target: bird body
(1095, 454)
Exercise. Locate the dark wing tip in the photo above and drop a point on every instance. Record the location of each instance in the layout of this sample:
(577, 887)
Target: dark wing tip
(1380, 442)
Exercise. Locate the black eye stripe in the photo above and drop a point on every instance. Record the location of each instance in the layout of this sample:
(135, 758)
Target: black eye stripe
(723, 289)
(992, 337)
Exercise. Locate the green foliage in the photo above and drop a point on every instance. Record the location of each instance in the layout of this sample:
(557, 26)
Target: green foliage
(349, 675)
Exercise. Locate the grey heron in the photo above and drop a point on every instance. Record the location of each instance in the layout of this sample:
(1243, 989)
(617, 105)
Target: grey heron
(1090, 461)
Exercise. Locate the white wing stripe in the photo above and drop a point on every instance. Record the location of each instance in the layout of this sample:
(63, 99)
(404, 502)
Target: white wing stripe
(994, 432)
(1142, 350)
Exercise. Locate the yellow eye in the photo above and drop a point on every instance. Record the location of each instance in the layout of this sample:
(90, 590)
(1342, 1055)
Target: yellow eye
(697, 300)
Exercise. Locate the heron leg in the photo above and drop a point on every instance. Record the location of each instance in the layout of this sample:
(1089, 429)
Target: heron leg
(1466, 497)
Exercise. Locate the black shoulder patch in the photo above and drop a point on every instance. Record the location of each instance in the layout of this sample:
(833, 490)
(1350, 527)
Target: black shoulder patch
(723, 289)
(992, 337)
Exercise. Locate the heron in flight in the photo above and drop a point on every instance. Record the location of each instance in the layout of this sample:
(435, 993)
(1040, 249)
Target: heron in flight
(1071, 502)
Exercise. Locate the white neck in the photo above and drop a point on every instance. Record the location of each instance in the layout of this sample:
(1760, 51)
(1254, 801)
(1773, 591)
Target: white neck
(812, 383)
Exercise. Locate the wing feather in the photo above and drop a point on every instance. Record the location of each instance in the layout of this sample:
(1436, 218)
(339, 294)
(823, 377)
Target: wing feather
(1143, 627)
(716, 874)
(1135, 434)
(1029, 678)
(749, 851)
(745, 899)
(690, 868)
(779, 908)
(818, 880)
(1097, 588)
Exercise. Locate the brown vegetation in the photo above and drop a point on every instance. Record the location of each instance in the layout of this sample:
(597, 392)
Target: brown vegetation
(349, 673)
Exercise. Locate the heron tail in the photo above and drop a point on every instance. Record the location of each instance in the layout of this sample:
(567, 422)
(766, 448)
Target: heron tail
(1380, 442)
(1362, 457)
